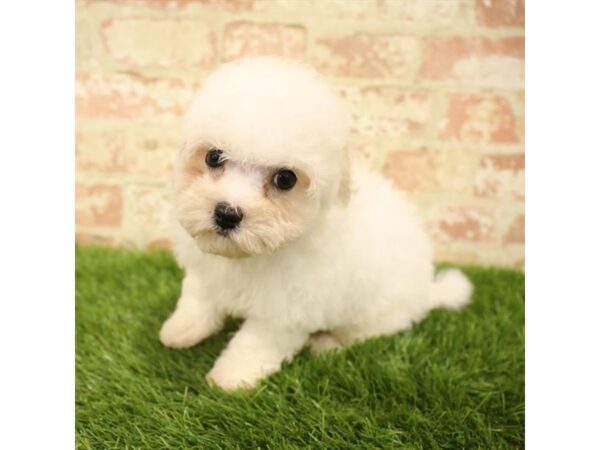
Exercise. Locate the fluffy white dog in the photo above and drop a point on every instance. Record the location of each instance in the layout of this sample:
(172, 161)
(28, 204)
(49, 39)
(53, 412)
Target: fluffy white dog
(276, 225)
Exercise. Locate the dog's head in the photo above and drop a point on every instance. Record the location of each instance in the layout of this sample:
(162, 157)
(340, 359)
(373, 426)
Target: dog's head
(264, 156)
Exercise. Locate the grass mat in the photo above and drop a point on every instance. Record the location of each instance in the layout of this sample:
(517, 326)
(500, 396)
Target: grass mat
(456, 380)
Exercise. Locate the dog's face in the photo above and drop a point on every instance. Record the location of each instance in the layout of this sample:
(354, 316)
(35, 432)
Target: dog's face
(264, 155)
(234, 208)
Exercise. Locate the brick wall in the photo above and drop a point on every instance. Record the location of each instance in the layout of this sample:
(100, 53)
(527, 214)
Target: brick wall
(436, 87)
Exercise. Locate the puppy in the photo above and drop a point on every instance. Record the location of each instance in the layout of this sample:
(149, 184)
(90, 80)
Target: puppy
(276, 225)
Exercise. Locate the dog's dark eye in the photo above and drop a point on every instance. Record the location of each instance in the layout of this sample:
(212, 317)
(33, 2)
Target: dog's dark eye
(214, 158)
(284, 179)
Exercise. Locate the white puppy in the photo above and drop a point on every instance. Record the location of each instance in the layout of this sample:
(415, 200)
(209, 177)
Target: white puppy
(277, 226)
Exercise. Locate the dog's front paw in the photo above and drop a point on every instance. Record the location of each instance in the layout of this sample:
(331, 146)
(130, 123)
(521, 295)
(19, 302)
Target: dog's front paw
(182, 331)
(231, 377)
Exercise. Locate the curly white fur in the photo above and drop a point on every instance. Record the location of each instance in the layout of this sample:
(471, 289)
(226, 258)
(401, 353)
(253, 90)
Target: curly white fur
(339, 258)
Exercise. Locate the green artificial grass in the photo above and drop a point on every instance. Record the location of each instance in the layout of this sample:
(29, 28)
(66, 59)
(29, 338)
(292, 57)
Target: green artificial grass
(456, 380)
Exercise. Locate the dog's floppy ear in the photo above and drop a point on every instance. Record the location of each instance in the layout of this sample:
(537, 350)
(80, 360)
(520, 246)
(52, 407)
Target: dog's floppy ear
(345, 187)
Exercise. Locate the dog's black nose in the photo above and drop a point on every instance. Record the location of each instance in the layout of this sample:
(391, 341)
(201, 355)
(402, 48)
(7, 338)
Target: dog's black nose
(227, 217)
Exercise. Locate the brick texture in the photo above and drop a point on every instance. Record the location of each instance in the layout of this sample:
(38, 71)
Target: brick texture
(390, 111)
(435, 87)
(477, 60)
(209, 5)
(95, 239)
(516, 232)
(501, 176)
(146, 218)
(130, 152)
(98, 205)
(412, 170)
(480, 118)
(165, 43)
(129, 96)
(363, 55)
(430, 170)
(311, 9)
(426, 13)
(249, 39)
(464, 223)
(501, 13)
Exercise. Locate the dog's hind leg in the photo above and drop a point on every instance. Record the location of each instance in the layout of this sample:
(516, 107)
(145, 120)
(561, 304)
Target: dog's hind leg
(323, 341)
(386, 325)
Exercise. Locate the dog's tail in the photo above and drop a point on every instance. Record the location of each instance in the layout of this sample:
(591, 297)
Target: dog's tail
(450, 289)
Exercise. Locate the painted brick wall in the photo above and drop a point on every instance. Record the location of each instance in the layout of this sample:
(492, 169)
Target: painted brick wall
(436, 87)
